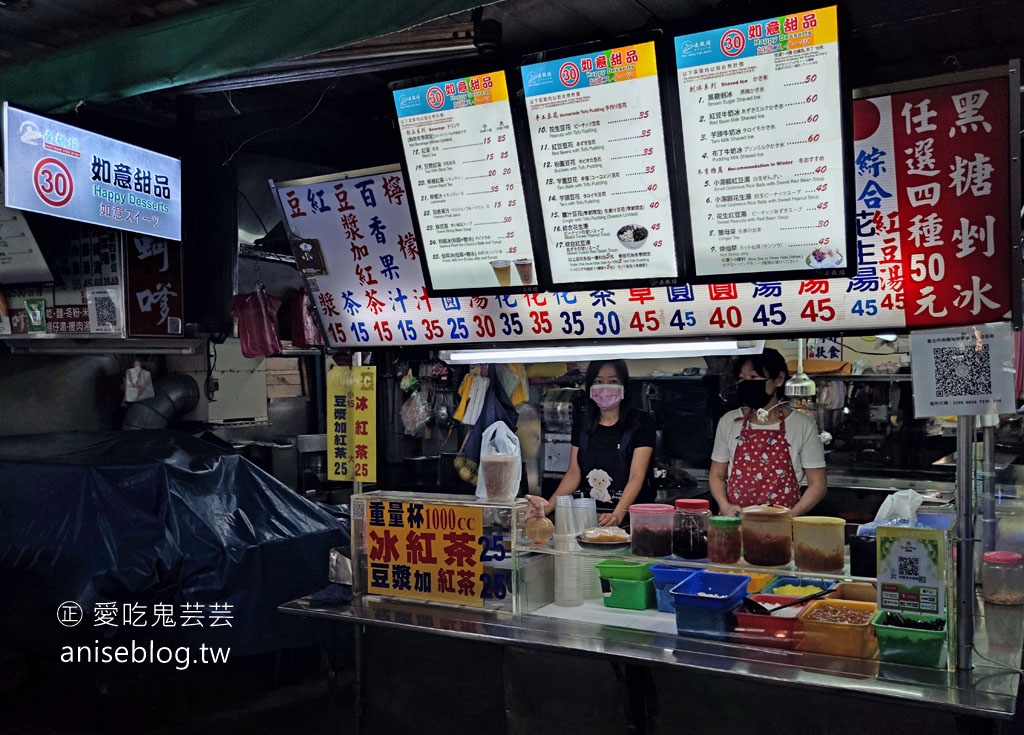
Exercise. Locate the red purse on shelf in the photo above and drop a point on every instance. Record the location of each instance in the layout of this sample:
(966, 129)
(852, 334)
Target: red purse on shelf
(257, 323)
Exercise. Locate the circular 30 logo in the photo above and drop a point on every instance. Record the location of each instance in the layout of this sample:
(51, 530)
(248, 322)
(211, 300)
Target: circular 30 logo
(435, 98)
(733, 42)
(52, 182)
(569, 74)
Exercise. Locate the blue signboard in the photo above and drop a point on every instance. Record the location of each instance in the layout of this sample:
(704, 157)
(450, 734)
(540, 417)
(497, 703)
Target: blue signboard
(63, 171)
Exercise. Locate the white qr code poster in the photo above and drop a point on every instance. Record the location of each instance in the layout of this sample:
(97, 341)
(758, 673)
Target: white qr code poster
(963, 371)
(912, 570)
(106, 314)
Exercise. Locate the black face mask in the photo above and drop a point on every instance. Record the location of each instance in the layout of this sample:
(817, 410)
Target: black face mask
(752, 393)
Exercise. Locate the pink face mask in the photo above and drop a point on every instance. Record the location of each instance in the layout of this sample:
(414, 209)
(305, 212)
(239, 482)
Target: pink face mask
(607, 396)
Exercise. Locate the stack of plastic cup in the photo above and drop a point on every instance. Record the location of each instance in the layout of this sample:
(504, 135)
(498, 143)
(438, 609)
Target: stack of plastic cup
(568, 582)
(565, 518)
(585, 510)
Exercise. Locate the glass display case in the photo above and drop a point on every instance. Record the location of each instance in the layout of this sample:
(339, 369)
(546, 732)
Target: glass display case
(458, 551)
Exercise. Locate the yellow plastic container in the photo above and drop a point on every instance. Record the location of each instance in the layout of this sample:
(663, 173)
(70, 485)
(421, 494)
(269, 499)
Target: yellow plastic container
(853, 639)
(758, 580)
(860, 591)
(818, 543)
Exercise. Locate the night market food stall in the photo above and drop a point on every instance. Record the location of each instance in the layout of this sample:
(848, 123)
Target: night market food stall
(504, 226)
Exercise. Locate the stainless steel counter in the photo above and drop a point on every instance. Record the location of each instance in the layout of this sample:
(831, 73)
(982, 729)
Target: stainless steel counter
(988, 691)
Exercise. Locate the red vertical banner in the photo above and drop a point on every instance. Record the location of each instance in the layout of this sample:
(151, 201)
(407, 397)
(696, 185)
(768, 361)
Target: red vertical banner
(153, 295)
(952, 150)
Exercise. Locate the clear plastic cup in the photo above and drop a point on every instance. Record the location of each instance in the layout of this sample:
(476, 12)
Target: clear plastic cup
(499, 476)
(502, 271)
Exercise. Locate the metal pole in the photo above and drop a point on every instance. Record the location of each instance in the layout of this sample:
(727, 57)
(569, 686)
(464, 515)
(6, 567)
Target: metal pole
(357, 361)
(988, 488)
(965, 546)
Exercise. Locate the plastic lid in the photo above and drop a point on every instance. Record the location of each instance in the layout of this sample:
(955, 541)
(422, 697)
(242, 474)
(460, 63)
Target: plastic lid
(1002, 557)
(692, 505)
(767, 512)
(725, 521)
(650, 509)
(820, 521)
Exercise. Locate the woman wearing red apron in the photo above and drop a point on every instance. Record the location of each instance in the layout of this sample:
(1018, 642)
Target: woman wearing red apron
(764, 451)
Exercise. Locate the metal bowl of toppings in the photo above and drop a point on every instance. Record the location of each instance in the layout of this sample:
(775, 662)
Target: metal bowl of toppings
(632, 236)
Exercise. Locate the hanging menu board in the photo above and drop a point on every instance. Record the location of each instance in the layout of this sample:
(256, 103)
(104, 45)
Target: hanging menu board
(762, 129)
(352, 237)
(466, 186)
(932, 250)
(601, 165)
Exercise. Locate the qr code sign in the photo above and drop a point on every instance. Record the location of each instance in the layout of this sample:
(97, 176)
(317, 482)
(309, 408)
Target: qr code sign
(106, 311)
(909, 567)
(969, 373)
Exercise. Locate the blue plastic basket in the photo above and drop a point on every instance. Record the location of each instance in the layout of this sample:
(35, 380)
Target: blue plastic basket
(666, 577)
(727, 589)
(702, 622)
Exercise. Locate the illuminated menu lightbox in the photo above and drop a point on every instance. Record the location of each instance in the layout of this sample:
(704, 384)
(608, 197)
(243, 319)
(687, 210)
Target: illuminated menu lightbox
(763, 135)
(600, 160)
(466, 186)
(63, 171)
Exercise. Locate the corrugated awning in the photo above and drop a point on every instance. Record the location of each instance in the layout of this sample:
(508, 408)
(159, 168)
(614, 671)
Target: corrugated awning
(206, 44)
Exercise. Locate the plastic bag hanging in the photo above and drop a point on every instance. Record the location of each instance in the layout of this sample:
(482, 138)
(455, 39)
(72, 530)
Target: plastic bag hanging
(415, 414)
(138, 383)
(305, 326)
(501, 464)
(257, 323)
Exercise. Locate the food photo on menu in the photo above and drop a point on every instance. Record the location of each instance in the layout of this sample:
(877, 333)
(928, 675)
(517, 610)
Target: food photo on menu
(632, 236)
(824, 257)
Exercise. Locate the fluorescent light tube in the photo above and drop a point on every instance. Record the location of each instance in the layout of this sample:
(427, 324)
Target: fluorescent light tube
(644, 350)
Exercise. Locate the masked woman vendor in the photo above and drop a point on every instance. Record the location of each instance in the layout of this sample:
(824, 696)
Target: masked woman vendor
(611, 452)
(764, 451)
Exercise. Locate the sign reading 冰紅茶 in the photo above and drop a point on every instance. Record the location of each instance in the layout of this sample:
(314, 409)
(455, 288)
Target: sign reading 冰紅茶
(430, 551)
(352, 423)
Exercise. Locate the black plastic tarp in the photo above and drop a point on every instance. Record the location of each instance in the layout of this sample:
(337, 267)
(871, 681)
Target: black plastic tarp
(148, 518)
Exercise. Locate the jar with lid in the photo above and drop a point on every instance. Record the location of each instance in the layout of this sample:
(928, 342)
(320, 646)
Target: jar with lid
(767, 535)
(690, 528)
(1002, 578)
(818, 543)
(650, 529)
(724, 540)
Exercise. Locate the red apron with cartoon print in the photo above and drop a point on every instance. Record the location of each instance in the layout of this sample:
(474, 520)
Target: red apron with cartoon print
(762, 468)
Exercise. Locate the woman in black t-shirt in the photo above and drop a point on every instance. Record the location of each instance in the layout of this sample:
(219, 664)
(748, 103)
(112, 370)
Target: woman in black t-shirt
(612, 450)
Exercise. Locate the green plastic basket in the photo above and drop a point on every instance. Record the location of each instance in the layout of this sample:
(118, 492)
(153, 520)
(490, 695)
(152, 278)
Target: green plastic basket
(616, 569)
(632, 594)
(908, 645)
